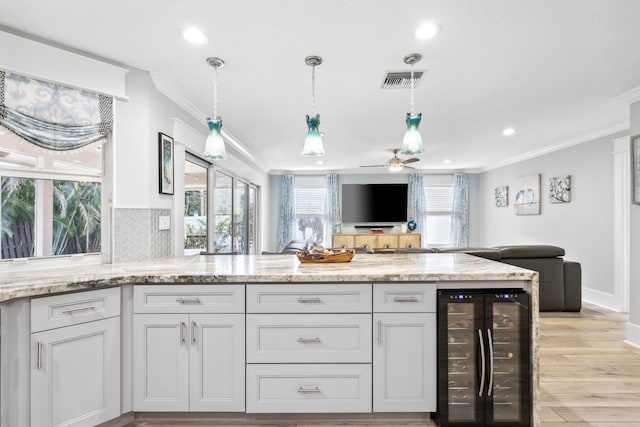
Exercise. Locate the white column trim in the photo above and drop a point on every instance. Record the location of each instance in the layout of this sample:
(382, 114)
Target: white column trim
(621, 221)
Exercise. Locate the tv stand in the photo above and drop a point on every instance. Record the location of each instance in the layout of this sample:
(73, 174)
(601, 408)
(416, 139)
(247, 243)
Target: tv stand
(376, 241)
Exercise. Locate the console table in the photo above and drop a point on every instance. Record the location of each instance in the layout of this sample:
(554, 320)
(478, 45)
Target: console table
(371, 240)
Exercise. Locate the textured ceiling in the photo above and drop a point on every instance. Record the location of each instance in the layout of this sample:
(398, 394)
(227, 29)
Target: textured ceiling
(548, 68)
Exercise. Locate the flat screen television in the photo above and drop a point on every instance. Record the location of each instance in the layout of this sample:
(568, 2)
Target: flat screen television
(374, 203)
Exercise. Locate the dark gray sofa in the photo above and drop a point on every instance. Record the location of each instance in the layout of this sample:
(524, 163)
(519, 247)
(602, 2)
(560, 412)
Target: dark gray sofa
(560, 280)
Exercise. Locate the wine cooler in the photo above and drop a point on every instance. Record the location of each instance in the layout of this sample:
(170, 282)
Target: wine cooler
(484, 370)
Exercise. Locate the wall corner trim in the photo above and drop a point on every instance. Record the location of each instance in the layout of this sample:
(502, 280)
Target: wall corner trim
(632, 334)
(629, 97)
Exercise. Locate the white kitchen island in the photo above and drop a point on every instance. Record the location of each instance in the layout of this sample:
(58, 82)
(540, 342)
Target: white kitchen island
(152, 332)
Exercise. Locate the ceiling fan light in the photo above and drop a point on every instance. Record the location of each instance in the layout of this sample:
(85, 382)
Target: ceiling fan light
(313, 142)
(214, 146)
(397, 167)
(412, 141)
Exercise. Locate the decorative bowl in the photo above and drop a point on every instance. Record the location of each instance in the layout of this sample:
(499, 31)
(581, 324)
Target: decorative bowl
(319, 258)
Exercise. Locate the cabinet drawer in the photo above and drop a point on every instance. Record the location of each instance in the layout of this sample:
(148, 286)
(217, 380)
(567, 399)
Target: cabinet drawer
(308, 388)
(365, 240)
(315, 298)
(188, 299)
(308, 338)
(404, 297)
(72, 309)
(386, 241)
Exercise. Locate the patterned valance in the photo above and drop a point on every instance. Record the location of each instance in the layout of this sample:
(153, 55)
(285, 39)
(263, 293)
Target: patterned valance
(53, 116)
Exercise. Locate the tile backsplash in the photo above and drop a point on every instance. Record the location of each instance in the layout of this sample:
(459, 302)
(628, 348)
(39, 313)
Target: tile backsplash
(136, 235)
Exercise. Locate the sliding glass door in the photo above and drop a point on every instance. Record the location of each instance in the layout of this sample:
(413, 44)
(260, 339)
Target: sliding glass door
(235, 206)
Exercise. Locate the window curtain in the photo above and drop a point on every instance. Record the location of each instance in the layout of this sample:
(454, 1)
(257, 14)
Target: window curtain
(460, 211)
(53, 116)
(416, 209)
(332, 215)
(286, 220)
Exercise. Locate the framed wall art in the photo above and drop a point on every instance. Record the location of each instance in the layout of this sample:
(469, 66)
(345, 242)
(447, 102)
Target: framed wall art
(635, 168)
(502, 196)
(527, 195)
(560, 189)
(166, 163)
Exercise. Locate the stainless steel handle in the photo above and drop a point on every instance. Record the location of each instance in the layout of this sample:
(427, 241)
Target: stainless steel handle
(305, 340)
(301, 389)
(182, 328)
(482, 365)
(405, 299)
(379, 332)
(490, 339)
(188, 300)
(73, 310)
(194, 332)
(39, 355)
(305, 300)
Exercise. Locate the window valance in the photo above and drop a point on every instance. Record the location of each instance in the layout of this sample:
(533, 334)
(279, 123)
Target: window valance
(53, 116)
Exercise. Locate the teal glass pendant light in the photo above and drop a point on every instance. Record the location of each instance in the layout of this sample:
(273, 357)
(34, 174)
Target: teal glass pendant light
(412, 141)
(214, 146)
(313, 142)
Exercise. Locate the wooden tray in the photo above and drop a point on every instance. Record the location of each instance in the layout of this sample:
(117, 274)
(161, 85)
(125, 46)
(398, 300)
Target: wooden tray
(325, 258)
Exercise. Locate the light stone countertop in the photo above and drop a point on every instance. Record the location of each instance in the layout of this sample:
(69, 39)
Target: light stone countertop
(212, 269)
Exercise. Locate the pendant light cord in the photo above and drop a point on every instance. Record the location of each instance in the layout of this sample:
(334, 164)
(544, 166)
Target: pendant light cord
(413, 83)
(215, 93)
(313, 91)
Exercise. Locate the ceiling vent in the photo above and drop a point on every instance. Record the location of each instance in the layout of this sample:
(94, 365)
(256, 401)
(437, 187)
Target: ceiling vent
(400, 79)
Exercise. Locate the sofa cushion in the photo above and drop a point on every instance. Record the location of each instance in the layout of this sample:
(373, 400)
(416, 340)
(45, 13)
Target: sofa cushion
(295, 246)
(551, 279)
(487, 253)
(530, 251)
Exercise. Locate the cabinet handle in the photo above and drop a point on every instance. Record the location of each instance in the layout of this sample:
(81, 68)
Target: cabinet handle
(188, 300)
(194, 332)
(39, 356)
(379, 332)
(73, 310)
(306, 300)
(316, 389)
(490, 339)
(482, 363)
(305, 340)
(182, 328)
(405, 299)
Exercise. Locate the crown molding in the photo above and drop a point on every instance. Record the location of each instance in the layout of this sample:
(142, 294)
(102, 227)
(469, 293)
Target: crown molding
(561, 145)
(629, 97)
(171, 91)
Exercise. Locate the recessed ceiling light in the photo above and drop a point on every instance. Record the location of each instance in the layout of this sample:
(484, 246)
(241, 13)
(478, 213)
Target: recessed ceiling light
(77, 161)
(446, 162)
(195, 36)
(427, 31)
(508, 131)
(319, 163)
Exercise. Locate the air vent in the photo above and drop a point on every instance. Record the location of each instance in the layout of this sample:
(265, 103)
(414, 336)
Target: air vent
(400, 79)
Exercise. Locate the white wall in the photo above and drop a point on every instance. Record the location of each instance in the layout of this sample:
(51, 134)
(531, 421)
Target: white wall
(633, 327)
(584, 227)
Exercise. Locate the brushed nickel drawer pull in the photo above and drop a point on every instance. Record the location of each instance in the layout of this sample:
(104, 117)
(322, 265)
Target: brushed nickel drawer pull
(73, 310)
(183, 326)
(305, 340)
(39, 362)
(194, 332)
(309, 390)
(379, 332)
(188, 300)
(405, 299)
(305, 300)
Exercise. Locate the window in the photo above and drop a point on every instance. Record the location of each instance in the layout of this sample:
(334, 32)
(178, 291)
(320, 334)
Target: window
(51, 201)
(439, 203)
(195, 206)
(309, 195)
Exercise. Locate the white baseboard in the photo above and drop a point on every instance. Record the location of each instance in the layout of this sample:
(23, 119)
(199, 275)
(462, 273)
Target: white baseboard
(602, 299)
(632, 334)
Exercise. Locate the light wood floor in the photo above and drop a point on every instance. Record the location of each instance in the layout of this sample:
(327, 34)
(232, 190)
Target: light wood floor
(588, 376)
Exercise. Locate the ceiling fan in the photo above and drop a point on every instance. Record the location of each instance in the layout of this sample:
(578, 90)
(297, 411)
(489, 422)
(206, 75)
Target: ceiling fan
(395, 164)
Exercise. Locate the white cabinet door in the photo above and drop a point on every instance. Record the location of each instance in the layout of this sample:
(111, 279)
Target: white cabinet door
(217, 359)
(404, 362)
(75, 376)
(161, 362)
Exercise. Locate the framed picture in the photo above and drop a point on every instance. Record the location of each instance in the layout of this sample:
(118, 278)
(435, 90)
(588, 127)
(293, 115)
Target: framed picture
(560, 189)
(635, 168)
(502, 196)
(527, 196)
(165, 144)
